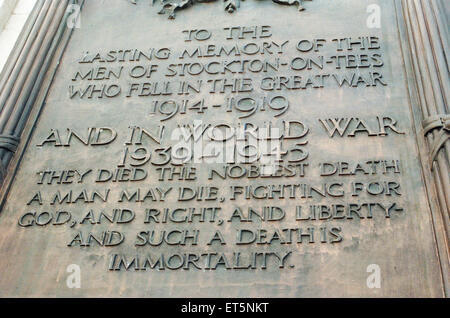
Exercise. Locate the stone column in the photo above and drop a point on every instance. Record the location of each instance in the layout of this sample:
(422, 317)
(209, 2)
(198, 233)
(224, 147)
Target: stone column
(22, 77)
(427, 51)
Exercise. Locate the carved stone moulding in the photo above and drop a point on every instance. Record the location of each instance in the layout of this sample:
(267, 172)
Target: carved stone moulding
(171, 6)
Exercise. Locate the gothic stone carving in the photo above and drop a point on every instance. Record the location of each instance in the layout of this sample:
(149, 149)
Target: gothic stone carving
(170, 6)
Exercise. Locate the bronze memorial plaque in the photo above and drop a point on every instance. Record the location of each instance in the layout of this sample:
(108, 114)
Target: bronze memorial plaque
(227, 149)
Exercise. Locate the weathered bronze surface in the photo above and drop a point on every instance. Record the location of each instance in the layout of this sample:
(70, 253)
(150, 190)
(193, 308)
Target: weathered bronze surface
(264, 153)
